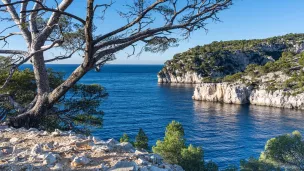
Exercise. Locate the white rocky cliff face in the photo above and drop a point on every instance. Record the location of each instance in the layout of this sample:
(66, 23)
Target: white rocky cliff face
(241, 94)
(187, 78)
(222, 92)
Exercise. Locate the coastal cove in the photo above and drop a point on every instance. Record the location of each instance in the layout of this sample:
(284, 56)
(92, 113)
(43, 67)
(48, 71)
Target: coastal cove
(226, 132)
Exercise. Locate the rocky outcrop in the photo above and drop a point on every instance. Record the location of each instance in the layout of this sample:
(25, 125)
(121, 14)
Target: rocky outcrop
(187, 78)
(222, 92)
(30, 150)
(237, 93)
(277, 98)
(219, 59)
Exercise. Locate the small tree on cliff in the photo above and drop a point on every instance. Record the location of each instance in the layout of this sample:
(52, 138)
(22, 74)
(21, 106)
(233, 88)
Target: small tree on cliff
(141, 140)
(174, 150)
(124, 138)
(170, 148)
(45, 26)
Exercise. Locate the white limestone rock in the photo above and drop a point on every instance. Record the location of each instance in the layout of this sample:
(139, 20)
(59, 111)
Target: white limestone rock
(36, 149)
(80, 161)
(57, 167)
(237, 93)
(277, 99)
(86, 144)
(101, 148)
(187, 78)
(14, 140)
(222, 92)
(50, 159)
(112, 142)
(124, 166)
(125, 147)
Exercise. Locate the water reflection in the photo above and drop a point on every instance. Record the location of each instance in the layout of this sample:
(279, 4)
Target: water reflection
(231, 132)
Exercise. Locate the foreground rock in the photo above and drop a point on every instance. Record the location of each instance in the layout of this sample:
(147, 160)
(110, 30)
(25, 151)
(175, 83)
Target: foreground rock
(32, 150)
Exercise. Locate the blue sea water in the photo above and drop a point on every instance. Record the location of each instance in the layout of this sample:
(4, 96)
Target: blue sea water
(226, 132)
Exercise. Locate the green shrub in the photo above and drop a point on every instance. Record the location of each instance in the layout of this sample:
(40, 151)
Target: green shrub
(285, 150)
(141, 140)
(211, 80)
(174, 150)
(124, 138)
(170, 148)
(256, 165)
(233, 78)
(210, 166)
(192, 158)
(301, 60)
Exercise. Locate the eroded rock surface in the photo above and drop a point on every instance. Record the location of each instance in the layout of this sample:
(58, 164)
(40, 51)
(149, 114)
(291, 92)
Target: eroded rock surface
(236, 93)
(32, 150)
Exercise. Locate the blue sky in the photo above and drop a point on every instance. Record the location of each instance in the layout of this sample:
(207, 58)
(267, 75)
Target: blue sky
(245, 19)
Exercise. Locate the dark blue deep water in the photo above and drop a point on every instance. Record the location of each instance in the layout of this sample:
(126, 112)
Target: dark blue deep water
(227, 133)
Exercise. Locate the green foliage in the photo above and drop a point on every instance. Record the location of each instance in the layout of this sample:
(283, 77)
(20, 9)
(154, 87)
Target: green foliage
(174, 142)
(210, 166)
(82, 110)
(174, 150)
(290, 64)
(192, 158)
(256, 165)
(211, 80)
(79, 110)
(301, 59)
(141, 140)
(233, 78)
(285, 150)
(124, 138)
(4, 62)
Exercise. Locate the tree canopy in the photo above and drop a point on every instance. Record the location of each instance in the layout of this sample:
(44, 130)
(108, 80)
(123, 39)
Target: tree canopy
(48, 25)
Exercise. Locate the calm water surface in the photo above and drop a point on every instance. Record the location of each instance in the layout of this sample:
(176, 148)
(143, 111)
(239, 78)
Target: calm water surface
(227, 133)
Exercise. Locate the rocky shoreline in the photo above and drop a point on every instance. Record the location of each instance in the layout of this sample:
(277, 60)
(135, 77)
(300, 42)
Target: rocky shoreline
(236, 93)
(32, 150)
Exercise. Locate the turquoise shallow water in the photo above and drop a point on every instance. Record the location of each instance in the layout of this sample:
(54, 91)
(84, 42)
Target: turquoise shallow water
(227, 132)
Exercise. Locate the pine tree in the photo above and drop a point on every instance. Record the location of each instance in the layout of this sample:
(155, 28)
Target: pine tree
(124, 138)
(141, 140)
(174, 142)
(174, 150)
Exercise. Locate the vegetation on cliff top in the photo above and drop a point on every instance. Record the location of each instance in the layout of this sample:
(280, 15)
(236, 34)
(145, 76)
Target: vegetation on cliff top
(284, 74)
(218, 59)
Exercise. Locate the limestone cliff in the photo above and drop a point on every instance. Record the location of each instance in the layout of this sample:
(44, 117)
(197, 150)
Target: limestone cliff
(241, 94)
(222, 92)
(187, 78)
(277, 84)
(219, 59)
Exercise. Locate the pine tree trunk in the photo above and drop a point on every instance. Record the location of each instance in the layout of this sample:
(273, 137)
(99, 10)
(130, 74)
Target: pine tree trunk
(32, 116)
